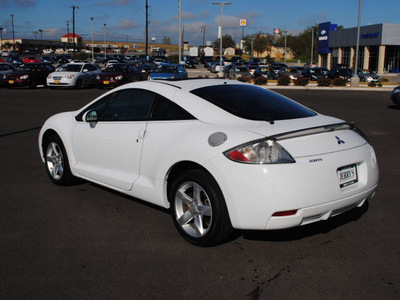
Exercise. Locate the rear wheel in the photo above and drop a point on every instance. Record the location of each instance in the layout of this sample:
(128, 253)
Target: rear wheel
(56, 161)
(198, 209)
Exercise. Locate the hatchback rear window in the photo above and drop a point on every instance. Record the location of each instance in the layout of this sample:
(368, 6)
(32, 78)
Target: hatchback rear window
(253, 103)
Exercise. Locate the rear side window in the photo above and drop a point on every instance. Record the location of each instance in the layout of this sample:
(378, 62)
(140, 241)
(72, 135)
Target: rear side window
(253, 103)
(165, 110)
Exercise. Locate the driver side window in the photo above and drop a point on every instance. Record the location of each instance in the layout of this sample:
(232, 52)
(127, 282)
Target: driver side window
(128, 105)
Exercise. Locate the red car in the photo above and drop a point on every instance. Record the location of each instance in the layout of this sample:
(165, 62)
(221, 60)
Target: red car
(30, 59)
(2, 60)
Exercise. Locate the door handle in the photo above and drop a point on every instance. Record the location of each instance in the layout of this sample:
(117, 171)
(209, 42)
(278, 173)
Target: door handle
(141, 133)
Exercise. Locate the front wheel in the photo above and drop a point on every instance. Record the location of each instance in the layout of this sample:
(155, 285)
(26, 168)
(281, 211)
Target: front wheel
(56, 160)
(198, 209)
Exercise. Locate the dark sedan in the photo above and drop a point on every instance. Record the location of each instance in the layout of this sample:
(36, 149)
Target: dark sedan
(30, 75)
(118, 74)
(314, 73)
(344, 73)
(395, 97)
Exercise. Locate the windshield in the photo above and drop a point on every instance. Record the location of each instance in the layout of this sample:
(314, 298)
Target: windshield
(27, 67)
(115, 68)
(253, 103)
(69, 68)
(166, 69)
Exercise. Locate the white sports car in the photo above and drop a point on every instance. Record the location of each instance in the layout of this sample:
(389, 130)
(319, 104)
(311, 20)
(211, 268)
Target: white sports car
(220, 154)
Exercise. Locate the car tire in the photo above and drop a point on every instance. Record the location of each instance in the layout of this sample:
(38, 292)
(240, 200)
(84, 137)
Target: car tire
(56, 161)
(32, 84)
(78, 84)
(198, 209)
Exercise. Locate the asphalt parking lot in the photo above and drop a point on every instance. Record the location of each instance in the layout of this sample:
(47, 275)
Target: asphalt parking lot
(88, 242)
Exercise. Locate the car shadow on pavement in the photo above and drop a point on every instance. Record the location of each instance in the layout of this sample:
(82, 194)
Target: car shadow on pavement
(305, 231)
(393, 106)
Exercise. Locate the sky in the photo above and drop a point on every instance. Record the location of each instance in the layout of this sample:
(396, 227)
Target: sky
(125, 19)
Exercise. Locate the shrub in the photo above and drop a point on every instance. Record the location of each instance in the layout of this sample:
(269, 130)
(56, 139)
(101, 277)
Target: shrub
(284, 80)
(260, 80)
(174, 59)
(301, 81)
(324, 81)
(385, 79)
(339, 82)
(82, 56)
(244, 78)
(372, 84)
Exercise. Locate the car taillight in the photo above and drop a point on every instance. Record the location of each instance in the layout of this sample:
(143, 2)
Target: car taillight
(265, 151)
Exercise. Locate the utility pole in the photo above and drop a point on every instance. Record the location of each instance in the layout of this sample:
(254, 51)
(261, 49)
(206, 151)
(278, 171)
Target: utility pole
(12, 23)
(105, 48)
(204, 33)
(92, 40)
(147, 28)
(73, 25)
(180, 31)
(41, 34)
(312, 45)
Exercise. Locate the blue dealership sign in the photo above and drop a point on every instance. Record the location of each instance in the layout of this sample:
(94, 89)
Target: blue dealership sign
(323, 36)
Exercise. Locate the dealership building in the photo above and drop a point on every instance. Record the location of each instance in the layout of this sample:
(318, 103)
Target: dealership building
(379, 47)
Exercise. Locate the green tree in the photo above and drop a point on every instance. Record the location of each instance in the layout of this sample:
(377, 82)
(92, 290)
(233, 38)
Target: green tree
(227, 41)
(166, 40)
(261, 42)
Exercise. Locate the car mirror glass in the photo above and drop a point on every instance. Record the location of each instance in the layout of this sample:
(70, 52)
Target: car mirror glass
(91, 116)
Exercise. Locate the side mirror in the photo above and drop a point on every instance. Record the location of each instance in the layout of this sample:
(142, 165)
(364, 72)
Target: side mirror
(91, 116)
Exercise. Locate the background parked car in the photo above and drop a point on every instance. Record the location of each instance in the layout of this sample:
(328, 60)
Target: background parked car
(261, 71)
(293, 73)
(30, 59)
(118, 74)
(15, 61)
(30, 75)
(238, 71)
(74, 75)
(168, 72)
(367, 75)
(344, 73)
(215, 67)
(395, 96)
(4, 69)
(313, 73)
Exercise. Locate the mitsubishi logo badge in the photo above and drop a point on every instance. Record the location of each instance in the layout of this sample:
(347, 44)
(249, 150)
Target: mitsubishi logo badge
(339, 141)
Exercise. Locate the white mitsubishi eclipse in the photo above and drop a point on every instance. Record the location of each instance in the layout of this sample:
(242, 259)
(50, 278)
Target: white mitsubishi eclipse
(221, 154)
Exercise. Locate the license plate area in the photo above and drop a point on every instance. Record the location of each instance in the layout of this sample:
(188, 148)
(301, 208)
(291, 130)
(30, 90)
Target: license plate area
(347, 175)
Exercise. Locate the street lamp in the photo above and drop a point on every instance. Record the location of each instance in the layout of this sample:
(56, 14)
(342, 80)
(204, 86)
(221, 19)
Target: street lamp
(252, 40)
(284, 55)
(105, 49)
(355, 81)
(92, 40)
(41, 34)
(220, 73)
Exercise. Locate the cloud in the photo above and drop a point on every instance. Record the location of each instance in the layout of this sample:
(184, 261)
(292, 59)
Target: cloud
(18, 3)
(125, 24)
(115, 3)
(312, 19)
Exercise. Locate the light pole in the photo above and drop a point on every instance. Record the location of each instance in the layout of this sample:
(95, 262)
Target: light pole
(41, 34)
(12, 24)
(252, 40)
(92, 40)
(1, 38)
(284, 55)
(180, 31)
(355, 81)
(221, 4)
(105, 49)
(312, 46)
